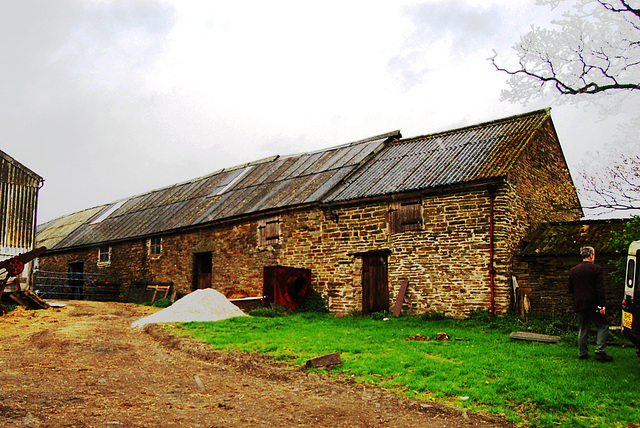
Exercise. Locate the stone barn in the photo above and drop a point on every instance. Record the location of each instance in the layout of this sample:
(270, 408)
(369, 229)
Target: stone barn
(444, 214)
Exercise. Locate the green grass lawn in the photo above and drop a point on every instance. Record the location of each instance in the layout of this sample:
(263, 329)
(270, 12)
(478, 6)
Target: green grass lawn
(480, 368)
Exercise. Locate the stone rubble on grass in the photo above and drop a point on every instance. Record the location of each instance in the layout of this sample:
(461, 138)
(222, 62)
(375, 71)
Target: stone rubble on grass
(200, 305)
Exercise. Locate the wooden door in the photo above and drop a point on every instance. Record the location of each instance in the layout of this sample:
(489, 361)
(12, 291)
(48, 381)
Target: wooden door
(76, 280)
(202, 267)
(375, 283)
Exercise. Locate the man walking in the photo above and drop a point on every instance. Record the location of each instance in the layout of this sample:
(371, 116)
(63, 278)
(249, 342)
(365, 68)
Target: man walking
(586, 283)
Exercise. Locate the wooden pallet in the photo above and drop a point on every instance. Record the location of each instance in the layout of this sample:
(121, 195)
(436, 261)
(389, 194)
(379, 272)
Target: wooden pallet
(157, 291)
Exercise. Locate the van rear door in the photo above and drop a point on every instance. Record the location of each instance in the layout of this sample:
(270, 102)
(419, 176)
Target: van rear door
(631, 302)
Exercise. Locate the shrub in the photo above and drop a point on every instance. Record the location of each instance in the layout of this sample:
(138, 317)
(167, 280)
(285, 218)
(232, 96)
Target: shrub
(379, 315)
(162, 303)
(480, 315)
(314, 303)
(620, 242)
(543, 323)
(433, 316)
(7, 308)
(276, 311)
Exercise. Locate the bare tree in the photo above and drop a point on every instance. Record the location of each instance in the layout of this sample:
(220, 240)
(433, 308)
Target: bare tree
(611, 182)
(594, 50)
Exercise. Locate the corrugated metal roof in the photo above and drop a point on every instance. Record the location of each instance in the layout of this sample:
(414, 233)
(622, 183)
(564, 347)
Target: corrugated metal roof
(8, 159)
(567, 238)
(464, 155)
(52, 232)
(377, 166)
(265, 185)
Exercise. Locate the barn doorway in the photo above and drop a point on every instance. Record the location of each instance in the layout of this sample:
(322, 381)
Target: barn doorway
(202, 267)
(76, 280)
(375, 282)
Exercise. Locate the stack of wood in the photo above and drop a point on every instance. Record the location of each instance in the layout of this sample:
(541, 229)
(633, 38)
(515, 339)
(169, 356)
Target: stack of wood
(25, 298)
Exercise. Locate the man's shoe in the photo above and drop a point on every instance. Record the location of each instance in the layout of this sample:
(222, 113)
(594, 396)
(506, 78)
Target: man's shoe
(604, 357)
(583, 356)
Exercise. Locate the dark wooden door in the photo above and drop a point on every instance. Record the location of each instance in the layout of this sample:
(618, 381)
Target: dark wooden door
(202, 268)
(375, 284)
(76, 280)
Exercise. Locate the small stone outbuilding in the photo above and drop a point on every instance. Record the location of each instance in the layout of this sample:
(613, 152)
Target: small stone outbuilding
(542, 267)
(446, 213)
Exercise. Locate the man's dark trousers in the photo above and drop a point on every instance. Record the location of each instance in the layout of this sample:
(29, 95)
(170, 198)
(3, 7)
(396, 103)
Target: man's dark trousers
(585, 318)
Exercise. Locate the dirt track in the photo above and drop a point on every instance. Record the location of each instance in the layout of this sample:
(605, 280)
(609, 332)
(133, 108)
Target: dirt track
(83, 366)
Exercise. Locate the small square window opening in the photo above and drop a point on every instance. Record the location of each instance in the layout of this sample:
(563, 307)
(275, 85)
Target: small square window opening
(269, 231)
(155, 246)
(405, 215)
(104, 254)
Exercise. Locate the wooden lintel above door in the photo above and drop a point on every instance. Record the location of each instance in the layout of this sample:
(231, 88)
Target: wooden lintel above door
(383, 252)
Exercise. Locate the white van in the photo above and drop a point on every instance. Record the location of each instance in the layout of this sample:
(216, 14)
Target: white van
(631, 301)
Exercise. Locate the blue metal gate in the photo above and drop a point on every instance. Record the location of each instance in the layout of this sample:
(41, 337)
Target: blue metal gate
(76, 286)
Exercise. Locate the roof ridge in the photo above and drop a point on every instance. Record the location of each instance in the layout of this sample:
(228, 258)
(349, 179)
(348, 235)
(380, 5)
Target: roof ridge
(545, 111)
(20, 165)
(385, 136)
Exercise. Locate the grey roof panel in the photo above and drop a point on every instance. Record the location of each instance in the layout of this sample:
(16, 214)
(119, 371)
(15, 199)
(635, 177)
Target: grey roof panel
(474, 153)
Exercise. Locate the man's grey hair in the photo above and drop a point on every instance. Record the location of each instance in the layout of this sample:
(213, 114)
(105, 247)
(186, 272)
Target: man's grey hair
(585, 252)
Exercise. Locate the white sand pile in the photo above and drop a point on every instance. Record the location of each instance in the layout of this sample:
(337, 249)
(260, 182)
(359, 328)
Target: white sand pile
(201, 305)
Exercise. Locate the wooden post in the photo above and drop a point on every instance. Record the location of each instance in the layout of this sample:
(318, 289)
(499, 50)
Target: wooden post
(400, 300)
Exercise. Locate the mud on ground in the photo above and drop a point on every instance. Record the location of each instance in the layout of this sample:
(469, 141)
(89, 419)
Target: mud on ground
(84, 366)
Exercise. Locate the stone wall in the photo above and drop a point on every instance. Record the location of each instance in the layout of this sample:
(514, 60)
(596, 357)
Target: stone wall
(446, 263)
(543, 190)
(543, 187)
(237, 261)
(540, 189)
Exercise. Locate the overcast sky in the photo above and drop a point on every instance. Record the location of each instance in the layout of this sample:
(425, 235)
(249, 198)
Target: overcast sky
(109, 99)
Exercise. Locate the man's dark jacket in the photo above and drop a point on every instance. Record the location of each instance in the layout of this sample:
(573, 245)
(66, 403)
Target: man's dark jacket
(586, 282)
